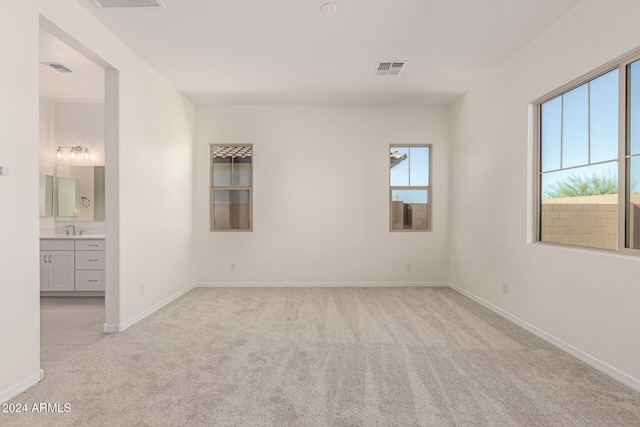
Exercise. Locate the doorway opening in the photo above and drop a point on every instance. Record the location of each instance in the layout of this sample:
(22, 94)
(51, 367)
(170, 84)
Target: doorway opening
(78, 294)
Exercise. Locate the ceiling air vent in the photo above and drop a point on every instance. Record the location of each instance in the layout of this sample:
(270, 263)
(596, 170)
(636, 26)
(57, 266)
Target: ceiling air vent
(390, 68)
(57, 66)
(157, 4)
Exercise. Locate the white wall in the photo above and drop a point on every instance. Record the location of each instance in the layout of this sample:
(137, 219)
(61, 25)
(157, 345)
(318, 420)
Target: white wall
(47, 137)
(156, 189)
(70, 125)
(80, 124)
(154, 173)
(587, 299)
(321, 209)
(19, 288)
(47, 153)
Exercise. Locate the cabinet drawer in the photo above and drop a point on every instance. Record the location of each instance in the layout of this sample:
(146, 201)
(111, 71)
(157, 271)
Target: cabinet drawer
(56, 245)
(90, 280)
(89, 260)
(89, 245)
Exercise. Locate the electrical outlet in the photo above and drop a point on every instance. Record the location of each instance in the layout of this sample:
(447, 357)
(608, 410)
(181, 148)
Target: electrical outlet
(232, 266)
(505, 288)
(143, 288)
(407, 267)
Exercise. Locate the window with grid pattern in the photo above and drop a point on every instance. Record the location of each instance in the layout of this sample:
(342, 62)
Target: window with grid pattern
(410, 187)
(579, 165)
(588, 187)
(231, 187)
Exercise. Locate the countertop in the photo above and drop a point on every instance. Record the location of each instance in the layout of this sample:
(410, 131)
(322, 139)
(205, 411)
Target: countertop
(78, 237)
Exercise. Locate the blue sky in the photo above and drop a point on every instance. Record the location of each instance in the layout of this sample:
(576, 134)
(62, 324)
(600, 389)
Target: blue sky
(414, 171)
(581, 128)
(634, 104)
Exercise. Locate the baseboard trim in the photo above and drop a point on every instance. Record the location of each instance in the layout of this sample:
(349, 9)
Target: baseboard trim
(598, 364)
(135, 319)
(110, 328)
(13, 391)
(315, 284)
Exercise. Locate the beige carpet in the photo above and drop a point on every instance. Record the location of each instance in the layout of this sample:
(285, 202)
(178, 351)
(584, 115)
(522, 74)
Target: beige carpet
(327, 357)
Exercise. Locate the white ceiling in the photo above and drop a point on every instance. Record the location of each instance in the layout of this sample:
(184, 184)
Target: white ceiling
(84, 84)
(288, 52)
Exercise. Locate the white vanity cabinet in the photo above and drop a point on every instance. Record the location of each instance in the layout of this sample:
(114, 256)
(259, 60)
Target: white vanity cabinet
(89, 265)
(57, 261)
(72, 265)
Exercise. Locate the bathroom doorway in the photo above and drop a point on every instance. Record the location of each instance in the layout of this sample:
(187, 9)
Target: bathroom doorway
(75, 121)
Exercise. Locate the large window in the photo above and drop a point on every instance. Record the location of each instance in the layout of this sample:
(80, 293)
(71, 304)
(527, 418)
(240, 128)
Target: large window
(588, 192)
(410, 187)
(231, 187)
(579, 165)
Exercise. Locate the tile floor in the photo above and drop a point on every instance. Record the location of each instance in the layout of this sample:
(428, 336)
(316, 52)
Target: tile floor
(67, 325)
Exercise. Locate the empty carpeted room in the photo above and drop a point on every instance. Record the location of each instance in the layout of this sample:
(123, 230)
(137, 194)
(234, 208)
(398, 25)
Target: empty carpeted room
(408, 213)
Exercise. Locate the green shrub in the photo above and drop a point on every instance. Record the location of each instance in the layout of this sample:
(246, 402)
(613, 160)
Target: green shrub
(576, 185)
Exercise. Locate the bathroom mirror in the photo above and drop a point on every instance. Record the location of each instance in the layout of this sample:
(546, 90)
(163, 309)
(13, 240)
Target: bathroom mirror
(46, 195)
(80, 193)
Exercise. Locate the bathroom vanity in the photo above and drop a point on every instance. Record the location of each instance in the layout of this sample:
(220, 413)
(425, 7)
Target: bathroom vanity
(72, 262)
(72, 265)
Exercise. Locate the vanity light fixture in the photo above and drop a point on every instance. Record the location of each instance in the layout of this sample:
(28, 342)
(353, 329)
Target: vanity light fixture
(74, 152)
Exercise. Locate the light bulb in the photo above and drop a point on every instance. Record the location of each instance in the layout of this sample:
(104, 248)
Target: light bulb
(86, 154)
(73, 154)
(59, 154)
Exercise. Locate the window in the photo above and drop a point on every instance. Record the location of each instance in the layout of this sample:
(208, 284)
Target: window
(410, 187)
(231, 187)
(579, 165)
(632, 156)
(581, 200)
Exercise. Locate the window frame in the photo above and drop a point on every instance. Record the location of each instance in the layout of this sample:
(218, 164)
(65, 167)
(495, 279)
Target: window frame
(213, 188)
(428, 188)
(623, 157)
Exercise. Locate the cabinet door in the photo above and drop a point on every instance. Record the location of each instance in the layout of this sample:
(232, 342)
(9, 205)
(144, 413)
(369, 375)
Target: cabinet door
(44, 271)
(61, 271)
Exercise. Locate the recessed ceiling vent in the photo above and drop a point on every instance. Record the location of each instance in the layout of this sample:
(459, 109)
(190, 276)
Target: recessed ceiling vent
(57, 66)
(157, 4)
(391, 68)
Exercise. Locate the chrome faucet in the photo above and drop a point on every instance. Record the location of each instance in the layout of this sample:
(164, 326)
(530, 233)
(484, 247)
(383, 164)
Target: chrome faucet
(74, 229)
